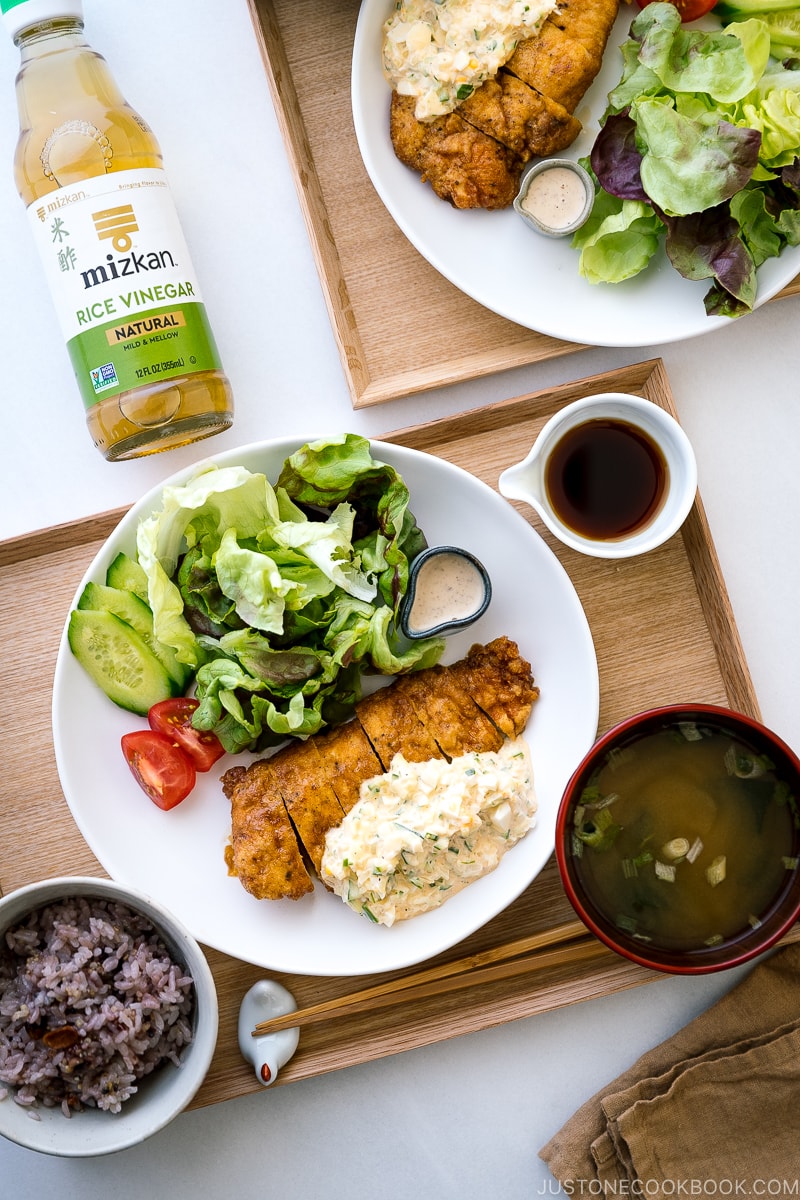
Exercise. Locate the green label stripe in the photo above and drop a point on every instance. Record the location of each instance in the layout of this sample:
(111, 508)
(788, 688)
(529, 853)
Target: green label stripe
(161, 343)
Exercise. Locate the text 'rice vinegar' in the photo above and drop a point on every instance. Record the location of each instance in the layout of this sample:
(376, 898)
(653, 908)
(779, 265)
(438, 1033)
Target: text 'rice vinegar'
(90, 171)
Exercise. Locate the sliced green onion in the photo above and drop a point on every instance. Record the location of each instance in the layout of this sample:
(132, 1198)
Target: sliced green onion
(600, 832)
(407, 829)
(590, 795)
(606, 801)
(694, 850)
(665, 871)
(745, 765)
(716, 872)
(676, 848)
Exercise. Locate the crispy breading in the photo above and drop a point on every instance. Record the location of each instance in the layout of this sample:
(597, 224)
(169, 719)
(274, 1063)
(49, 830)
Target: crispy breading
(230, 779)
(500, 682)
(298, 772)
(393, 727)
(448, 712)
(524, 120)
(462, 164)
(349, 759)
(555, 64)
(265, 854)
(587, 21)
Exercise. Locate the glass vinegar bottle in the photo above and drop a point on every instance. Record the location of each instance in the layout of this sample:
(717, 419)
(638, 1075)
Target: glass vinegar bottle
(90, 171)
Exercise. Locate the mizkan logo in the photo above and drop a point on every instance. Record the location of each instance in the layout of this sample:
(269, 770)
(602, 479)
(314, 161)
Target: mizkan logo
(117, 224)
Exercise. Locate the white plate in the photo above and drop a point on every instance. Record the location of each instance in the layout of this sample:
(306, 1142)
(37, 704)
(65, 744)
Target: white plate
(503, 264)
(177, 856)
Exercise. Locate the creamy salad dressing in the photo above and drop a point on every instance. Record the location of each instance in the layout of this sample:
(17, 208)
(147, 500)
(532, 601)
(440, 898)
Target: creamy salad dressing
(423, 831)
(441, 51)
(448, 587)
(555, 198)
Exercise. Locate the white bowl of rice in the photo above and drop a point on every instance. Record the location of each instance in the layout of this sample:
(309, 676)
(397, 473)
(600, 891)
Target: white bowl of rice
(108, 1017)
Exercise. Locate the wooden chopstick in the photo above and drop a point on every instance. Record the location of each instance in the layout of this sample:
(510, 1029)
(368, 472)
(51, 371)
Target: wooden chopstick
(552, 947)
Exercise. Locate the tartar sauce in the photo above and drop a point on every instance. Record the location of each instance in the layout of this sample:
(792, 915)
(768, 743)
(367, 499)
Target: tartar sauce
(441, 50)
(423, 831)
(448, 587)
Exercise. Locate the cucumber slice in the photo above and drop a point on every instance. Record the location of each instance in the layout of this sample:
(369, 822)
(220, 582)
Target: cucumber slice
(742, 9)
(127, 574)
(118, 660)
(133, 610)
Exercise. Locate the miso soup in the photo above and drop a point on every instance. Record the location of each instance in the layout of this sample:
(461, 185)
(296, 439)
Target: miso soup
(685, 837)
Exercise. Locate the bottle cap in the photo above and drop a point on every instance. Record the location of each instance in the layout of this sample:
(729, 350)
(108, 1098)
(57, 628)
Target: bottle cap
(21, 14)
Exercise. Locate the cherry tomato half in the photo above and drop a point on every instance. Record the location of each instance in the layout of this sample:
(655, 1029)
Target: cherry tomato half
(690, 10)
(159, 766)
(174, 718)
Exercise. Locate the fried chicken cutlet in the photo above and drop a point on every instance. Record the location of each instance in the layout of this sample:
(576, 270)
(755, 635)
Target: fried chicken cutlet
(449, 713)
(264, 851)
(282, 807)
(587, 21)
(500, 683)
(474, 156)
(462, 164)
(522, 119)
(555, 64)
(564, 58)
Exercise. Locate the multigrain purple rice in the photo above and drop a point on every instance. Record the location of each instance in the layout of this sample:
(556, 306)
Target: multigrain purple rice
(91, 1001)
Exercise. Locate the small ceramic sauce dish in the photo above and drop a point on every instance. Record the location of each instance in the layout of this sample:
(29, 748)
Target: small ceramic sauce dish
(448, 589)
(612, 475)
(555, 197)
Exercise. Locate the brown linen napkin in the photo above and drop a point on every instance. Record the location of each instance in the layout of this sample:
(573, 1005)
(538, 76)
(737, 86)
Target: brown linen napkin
(715, 1106)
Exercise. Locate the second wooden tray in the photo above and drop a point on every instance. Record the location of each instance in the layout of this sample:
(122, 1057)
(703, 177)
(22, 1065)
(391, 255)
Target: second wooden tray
(680, 644)
(400, 326)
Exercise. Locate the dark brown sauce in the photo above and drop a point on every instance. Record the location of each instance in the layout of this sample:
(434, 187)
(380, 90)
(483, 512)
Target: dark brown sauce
(606, 479)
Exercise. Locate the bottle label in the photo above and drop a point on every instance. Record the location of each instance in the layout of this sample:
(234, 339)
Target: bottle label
(124, 287)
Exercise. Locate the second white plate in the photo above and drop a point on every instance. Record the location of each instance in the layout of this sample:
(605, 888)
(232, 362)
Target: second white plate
(507, 267)
(177, 856)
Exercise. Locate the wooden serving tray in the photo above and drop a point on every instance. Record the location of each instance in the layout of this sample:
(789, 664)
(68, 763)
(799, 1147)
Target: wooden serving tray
(389, 345)
(680, 644)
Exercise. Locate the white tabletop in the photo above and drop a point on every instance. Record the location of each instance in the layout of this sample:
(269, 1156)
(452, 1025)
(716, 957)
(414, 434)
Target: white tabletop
(466, 1117)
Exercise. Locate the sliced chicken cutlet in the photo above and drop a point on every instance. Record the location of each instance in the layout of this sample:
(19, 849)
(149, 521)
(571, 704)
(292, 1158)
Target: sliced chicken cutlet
(587, 21)
(310, 800)
(555, 65)
(461, 163)
(264, 852)
(348, 759)
(392, 725)
(448, 712)
(500, 682)
(520, 118)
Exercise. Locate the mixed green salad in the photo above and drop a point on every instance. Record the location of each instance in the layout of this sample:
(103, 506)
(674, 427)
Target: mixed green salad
(270, 601)
(699, 148)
